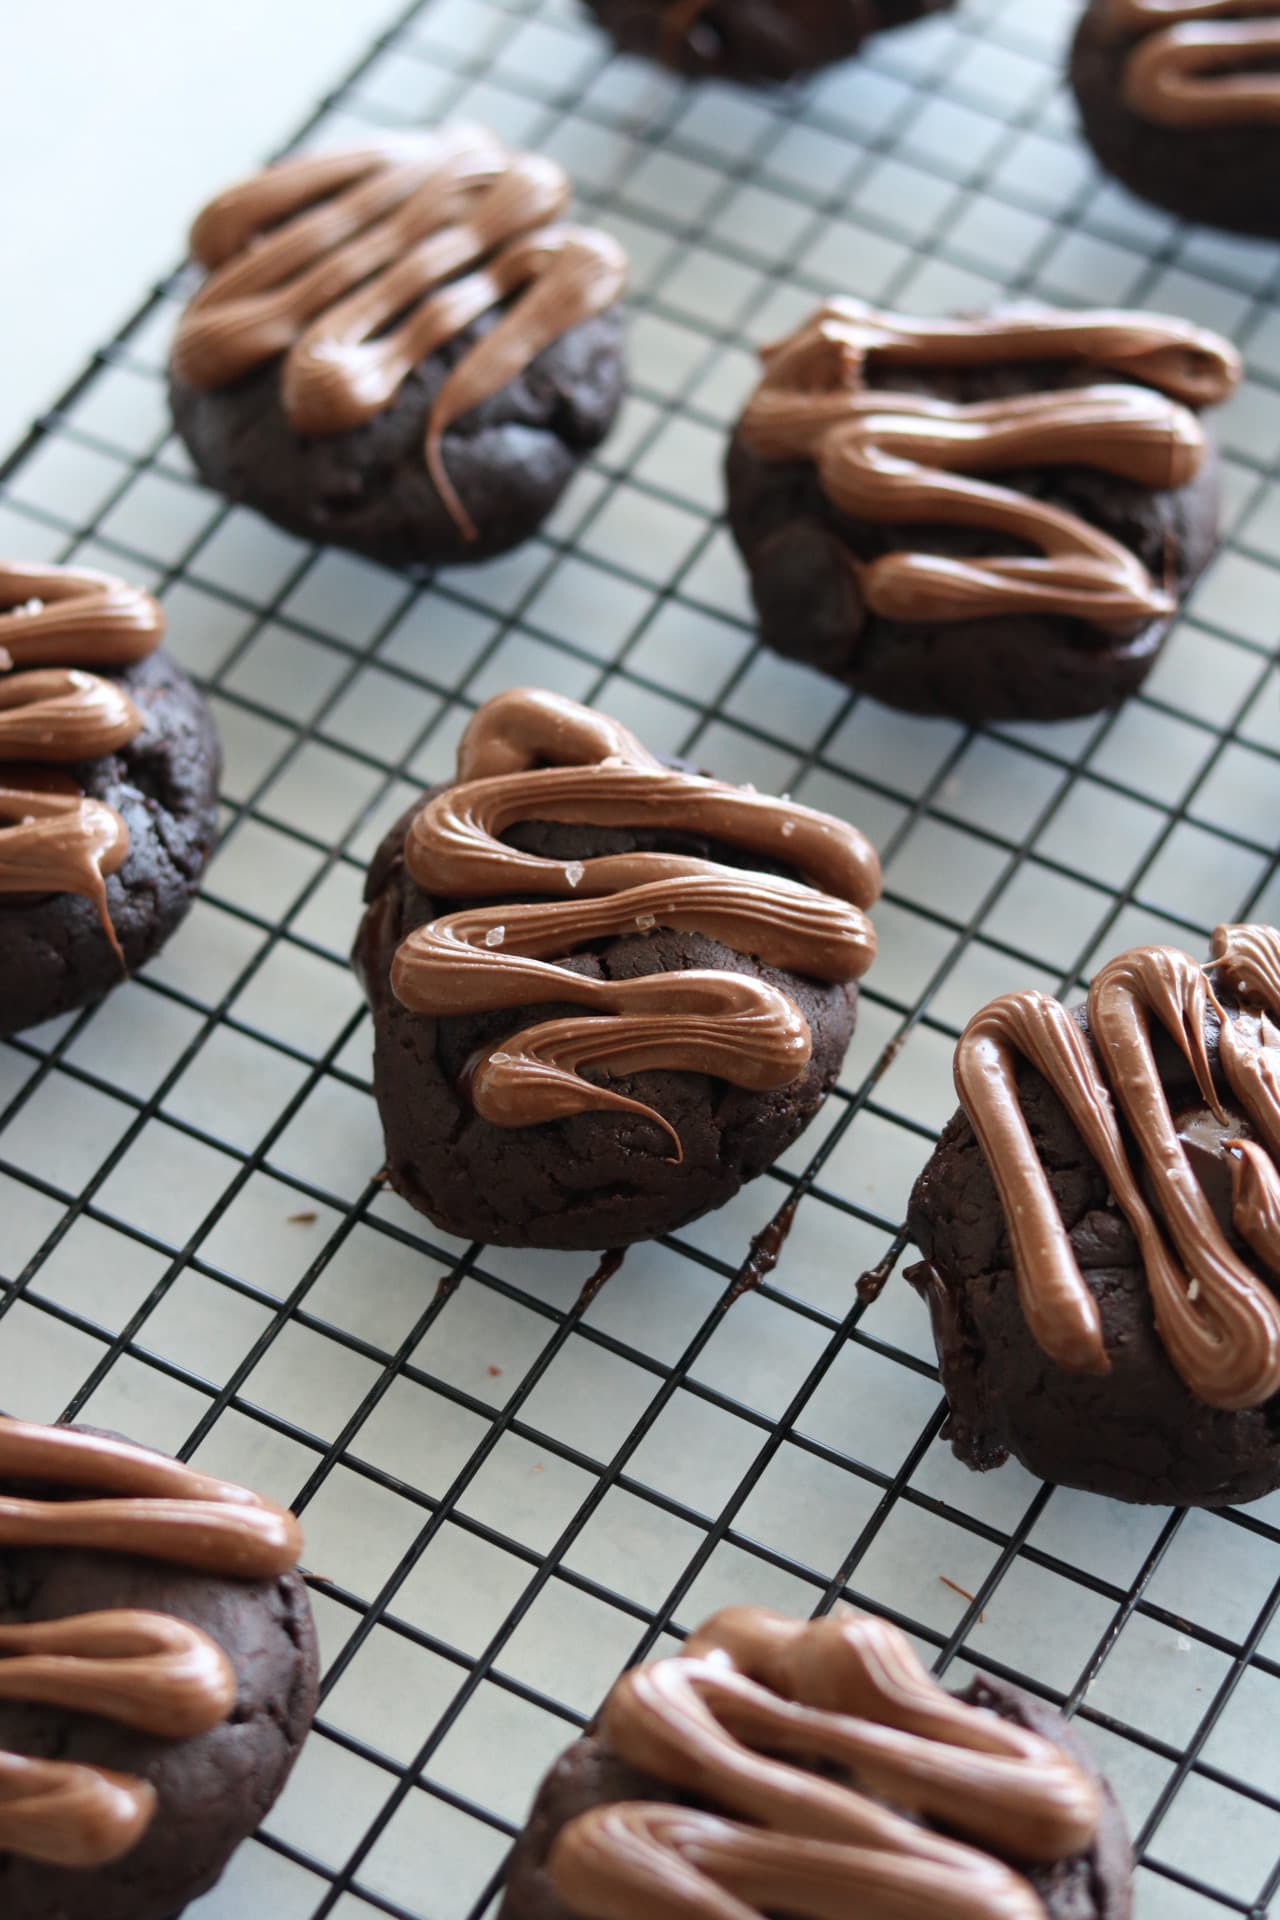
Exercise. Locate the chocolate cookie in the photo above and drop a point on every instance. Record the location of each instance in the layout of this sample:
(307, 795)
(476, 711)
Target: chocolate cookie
(158, 1674)
(1099, 1226)
(881, 553)
(109, 768)
(396, 350)
(1181, 102)
(605, 991)
(752, 40)
(703, 1787)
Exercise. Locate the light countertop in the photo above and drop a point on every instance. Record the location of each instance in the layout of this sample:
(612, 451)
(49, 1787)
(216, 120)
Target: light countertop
(120, 118)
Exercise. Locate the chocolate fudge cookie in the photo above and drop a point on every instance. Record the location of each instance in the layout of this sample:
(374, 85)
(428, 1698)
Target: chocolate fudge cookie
(396, 349)
(1100, 1230)
(109, 768)
(881, 552)
(1180, 100)
(752, 40)
(813, 1768)
(606, 991)
(157, 1674)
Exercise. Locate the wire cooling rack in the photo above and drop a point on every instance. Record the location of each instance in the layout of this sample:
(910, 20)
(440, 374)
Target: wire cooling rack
(513, 1484)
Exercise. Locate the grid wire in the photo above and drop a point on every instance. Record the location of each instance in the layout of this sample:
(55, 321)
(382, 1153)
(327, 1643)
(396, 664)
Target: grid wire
(515, 1480)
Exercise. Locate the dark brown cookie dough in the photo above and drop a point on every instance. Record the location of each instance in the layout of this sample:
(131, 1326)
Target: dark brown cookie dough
(368, 487)
(1093, 1886)
(797, 546)
(1138, 1432)
(752, 40)
(594, 1180)
(54, 953)
(213, 1790)
(1223, 175)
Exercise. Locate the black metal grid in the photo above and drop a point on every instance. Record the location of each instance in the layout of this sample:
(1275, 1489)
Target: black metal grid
(226, 1280)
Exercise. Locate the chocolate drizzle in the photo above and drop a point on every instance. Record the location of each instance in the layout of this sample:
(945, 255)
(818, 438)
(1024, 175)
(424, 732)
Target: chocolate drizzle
(1200, 63)
(530, 756)
(141, 1670)
(1218, 1320)
(741, 1718)
(356, 266)
(55, 621)
(912, 459)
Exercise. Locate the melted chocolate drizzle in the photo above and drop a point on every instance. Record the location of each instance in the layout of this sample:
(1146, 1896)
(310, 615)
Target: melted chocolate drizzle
(142, 1670)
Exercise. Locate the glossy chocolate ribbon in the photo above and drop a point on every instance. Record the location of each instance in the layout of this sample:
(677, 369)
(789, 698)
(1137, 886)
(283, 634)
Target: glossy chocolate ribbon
(769, 1720)
(912, 459)
(531, 756)
(141, 1670)
(54, 622)
(1201, 63)
(356, 266)
(1218, 1321)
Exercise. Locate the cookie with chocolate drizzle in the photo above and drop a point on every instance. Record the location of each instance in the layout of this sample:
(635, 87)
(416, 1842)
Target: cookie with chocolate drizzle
(109, 770)
(1100, 1227)
(814, 1768)
(758, 41)
(1180, 100)
(606, 990)
(158, 1669)
(993, 517)
(403, 348)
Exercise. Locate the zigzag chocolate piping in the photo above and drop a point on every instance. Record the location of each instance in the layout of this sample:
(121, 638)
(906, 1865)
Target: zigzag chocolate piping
(911, 459)
(1218, 1321)
(356, 266)
(743, 1717)
(535, 756)
(1199, 63)
(55, 621)
(142, 1670)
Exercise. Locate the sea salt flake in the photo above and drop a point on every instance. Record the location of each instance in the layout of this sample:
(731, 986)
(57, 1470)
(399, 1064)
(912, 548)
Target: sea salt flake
(788, 828)
(495, 936)
(499, 1059)
(1193, 1291)
(574, 873)
(646, 920)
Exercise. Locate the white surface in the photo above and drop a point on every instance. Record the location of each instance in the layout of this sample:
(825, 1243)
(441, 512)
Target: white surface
(951, 165)
(120, 117)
